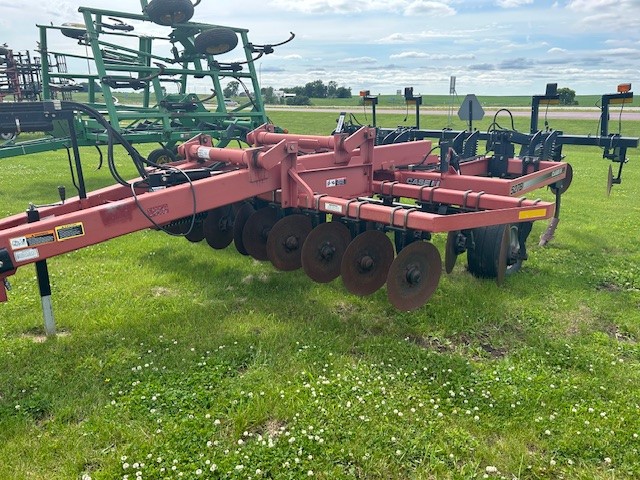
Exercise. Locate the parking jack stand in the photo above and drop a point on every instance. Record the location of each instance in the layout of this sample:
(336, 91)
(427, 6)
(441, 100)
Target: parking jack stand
(42, 272)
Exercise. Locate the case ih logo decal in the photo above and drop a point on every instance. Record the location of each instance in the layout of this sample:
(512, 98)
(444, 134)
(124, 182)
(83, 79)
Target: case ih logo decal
(422, 182)
(158, 210)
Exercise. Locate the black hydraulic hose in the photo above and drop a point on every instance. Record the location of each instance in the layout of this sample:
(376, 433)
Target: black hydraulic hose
(138, 160)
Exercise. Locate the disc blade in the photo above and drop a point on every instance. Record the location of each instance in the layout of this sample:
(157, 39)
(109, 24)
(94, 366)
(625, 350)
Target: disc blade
(218, 227)
(450, 253)
(256, 231)
(564, 184)
(414, 276)
(242, 215)
(366, 263)
(196, 234)
(610, 180)
(285, 240)
(323, 250)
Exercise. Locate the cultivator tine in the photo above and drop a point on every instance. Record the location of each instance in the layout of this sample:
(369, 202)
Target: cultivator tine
(414, 276)
(455, 246)
(503, 256)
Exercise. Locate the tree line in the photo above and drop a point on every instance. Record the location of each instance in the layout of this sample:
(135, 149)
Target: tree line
(302, 94)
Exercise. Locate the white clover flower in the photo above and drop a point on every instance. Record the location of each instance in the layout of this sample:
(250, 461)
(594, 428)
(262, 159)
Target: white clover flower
(491, 469)
(125, 466)
(607, 460)
(199, 471)
(310, 473)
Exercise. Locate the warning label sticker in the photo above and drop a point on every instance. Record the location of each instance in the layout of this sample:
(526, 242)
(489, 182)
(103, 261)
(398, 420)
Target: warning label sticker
(33, 240)
(203, 152)
(67, 232)
(332, 207)
(25, 255)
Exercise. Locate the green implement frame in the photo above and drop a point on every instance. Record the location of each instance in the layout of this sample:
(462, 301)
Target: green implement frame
(119, 61)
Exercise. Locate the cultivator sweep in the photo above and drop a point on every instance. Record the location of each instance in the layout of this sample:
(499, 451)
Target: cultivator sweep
(321, 203)
(122, 57)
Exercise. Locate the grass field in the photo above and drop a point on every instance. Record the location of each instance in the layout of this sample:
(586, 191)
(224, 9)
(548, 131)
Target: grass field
(176, 361)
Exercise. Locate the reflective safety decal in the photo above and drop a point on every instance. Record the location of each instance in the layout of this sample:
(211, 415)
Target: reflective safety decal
(531, 214)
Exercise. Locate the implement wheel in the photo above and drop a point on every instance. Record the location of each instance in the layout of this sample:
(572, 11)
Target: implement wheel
(495, 252)
(74, 30)
(8, 136)
(216, 41)
(160, 156)
(169, 12)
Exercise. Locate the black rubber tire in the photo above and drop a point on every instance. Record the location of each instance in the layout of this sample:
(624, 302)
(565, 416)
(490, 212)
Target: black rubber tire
(7, 136)
(74, 30)
(216, 41)
(169, 12)
(483, 255)
(160, 156)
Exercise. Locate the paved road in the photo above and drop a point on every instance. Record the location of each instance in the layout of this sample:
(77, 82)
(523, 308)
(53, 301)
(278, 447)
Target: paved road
(568, 114)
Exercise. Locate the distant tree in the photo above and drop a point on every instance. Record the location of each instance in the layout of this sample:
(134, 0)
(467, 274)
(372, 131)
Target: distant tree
(299, 100)
(315, 89)
(267, 95)
(332, 89)
(343, 92)
(567, 96)
(231, 90)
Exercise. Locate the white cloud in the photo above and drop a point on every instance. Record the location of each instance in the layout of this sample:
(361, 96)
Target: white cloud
(294, 56)
(406, 7)
(432, 56)
(338, 6)
(426, 7)
(582, 5)
(359, 60)
(556, 50)
(608, 14)
(416, 37)
(512, 3)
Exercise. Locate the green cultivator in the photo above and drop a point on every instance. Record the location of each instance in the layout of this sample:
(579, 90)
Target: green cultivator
(120, 59)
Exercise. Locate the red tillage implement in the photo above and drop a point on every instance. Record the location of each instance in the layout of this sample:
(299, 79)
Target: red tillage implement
(272, 200)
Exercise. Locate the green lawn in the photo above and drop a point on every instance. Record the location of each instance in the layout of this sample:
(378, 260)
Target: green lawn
(177, 361)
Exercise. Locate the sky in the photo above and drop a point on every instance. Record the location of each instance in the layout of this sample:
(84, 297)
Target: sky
(492, 47)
